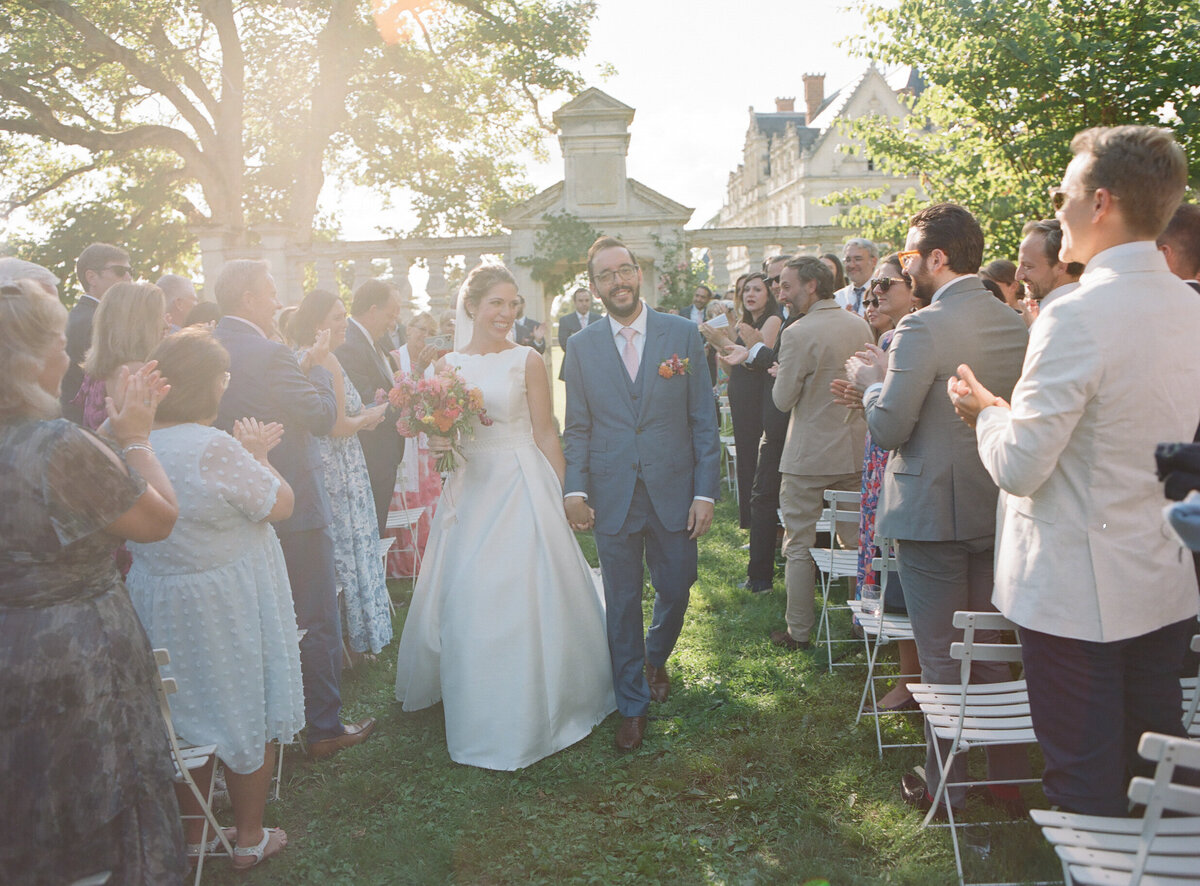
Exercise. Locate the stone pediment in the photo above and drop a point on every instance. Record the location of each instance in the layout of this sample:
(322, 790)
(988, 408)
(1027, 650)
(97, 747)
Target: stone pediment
(642, 204)
(591, 104)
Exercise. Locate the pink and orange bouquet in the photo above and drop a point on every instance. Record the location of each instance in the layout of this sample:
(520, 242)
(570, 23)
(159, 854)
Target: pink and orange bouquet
(442, 406)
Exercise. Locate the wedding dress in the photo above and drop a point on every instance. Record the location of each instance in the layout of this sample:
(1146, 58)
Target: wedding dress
(506, 624)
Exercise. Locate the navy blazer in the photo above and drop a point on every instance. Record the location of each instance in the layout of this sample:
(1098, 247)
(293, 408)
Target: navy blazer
(266, 382)
(382, 447)
(79, 339)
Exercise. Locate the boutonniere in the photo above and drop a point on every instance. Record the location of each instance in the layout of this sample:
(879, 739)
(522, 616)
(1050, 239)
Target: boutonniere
(674, 366)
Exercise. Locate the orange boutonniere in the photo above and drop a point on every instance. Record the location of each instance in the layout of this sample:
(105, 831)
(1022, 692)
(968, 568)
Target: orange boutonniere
(674, 366)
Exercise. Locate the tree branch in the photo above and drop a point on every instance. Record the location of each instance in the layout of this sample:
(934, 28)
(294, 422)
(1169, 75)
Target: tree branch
(191, 77)
(11, 206)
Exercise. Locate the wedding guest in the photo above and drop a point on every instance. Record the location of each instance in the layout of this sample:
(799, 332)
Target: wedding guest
(205, 314)
(569, 324)
(269, 384)
(859, 257)
(127, 326)
(1180, 244)
(98, 268)
(1003, 273)
(216, 595)
(87, 774)
(361, 581)
(446, 323)
(835, 266)
(529, 332)
(1044, 275)
(180, 294)
(418, 483)
(1105, 602)
(19, 269)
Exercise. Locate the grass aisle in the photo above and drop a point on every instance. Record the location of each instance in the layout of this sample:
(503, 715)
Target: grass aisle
(752, 772)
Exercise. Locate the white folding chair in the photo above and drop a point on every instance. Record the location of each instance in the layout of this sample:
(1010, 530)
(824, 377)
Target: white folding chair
(406, 519)
(880, 630)
(835, 562)
(969, 715)
(1151, 851)
(187, 758)
(385, 547)
(729, 457)
(1191, 697)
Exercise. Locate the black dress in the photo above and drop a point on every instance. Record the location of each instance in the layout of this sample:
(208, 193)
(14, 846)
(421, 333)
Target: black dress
(746, 387)
(83, 746)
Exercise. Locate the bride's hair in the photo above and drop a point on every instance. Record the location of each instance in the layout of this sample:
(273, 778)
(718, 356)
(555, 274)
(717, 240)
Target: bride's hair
(480, 280)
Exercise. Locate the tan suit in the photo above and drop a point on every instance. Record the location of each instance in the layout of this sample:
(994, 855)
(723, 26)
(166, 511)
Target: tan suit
(822, 450)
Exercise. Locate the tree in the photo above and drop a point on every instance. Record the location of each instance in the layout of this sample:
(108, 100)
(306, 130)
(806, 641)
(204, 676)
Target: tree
(240, 111)
(1009, 84)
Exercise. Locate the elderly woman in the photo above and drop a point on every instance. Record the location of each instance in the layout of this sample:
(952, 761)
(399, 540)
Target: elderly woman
(216, 593)
(87, 776)
(130, 321)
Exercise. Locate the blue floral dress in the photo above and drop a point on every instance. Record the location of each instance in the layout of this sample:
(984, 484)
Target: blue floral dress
(361, 581)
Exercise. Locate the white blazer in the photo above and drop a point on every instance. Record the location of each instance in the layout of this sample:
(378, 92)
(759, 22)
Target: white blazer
(1112, 370)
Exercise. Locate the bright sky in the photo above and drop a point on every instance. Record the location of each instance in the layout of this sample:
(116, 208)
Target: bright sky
(691, 69)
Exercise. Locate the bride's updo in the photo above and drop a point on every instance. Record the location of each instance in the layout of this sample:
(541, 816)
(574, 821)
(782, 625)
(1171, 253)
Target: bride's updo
(481, 279)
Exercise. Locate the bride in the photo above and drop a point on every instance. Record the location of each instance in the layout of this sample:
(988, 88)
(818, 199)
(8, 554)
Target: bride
(507, 623)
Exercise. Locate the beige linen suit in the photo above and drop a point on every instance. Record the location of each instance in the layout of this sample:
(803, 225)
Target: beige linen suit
(822, 450)
(938, 502)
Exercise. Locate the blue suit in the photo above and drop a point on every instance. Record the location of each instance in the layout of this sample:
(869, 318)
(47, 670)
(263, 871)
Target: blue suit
(641, 450)
(266, 383)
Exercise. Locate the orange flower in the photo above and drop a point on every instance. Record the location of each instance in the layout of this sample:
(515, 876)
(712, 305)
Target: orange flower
(664, 369)
(443, 420)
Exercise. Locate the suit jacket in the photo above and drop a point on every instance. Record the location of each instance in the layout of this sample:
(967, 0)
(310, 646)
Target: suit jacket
(845, 298)
(265, 382)
(568, 326)
(79, 339)
(667, 434)
(523, 334)
(815, 348)
(1112, 370)
(935, 487)
(775, 421)
(383, 448)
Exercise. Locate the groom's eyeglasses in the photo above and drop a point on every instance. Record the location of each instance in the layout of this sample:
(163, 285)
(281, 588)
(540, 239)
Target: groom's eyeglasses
(627, 273)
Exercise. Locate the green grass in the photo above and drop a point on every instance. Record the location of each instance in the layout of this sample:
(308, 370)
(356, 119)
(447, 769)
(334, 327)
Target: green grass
(753, 772)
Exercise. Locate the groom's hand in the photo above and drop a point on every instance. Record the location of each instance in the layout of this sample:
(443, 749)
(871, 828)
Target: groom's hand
(700, 517)
(579, 514)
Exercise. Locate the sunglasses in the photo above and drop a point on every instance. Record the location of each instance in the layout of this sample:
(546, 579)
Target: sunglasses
(883, 284)
(120, 270)
(871, 302)
(774, 281)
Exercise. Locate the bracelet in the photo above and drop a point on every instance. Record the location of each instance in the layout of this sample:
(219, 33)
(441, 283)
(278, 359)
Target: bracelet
(145, 447)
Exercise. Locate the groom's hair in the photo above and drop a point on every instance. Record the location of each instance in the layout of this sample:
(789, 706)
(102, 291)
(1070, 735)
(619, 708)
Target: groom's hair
(606, 242)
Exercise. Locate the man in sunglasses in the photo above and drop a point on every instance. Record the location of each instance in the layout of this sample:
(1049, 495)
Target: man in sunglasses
(938, 503)
(98, 268)
(1105, 602)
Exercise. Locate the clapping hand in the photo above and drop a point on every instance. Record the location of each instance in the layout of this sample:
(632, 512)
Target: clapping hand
(259, 438)
(734, 355)
(846, 394)
(749, 335)
(867, 367)
(969, 396)
(133, 404)
(373, 415)
(714, 337)
(320, 347)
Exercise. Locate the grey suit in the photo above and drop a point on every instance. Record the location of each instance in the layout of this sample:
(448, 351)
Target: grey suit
(938, 501)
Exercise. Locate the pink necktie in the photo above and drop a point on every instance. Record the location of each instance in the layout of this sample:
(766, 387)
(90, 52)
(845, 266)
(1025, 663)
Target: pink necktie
(629, 355)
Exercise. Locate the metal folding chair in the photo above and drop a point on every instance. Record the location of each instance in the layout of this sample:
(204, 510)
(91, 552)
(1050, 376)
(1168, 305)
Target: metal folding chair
(835, 562)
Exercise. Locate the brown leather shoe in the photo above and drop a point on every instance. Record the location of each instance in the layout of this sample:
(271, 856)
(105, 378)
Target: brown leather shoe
(630, 732)
(355, 733)
(658, 681)
(787, 641)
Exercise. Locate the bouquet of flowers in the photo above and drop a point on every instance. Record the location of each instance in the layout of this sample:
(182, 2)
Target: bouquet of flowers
(442, 406)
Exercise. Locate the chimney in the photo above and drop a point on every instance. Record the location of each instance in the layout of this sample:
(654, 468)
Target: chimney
(785, 105)
(814, 94)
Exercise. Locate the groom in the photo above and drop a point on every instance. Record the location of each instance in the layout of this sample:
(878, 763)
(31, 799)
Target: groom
(642, 469)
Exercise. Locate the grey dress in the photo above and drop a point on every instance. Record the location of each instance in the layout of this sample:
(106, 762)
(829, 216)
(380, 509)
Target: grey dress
(87, 776)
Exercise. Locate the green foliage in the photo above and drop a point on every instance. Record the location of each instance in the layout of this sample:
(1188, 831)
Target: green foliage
(560, 251)
(680, 273)
(1010, 83)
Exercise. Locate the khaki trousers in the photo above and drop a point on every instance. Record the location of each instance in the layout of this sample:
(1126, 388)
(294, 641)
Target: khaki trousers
(801, 498)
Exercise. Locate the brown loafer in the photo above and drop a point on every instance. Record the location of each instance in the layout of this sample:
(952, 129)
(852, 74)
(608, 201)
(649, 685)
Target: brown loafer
(355, 733)
(787, 641)
(658, 681)
(630, 732)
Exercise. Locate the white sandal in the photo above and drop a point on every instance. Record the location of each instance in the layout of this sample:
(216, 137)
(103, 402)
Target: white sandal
(194, 849)
(259, 852)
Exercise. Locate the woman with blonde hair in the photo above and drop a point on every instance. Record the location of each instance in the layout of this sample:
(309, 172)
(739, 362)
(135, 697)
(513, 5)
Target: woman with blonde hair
(129, 324)
(87, 774)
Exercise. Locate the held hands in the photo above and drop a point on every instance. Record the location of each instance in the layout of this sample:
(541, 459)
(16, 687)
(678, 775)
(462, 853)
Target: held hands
(580, 515)
(867, 367)
(259, 438)
(970, 397)
(846, 394)
(133, 404)
(700, 517)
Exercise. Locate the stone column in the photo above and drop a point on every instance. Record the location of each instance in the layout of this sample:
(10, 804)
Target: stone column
(327, 274)
(436, 288)
(212, 240)
(719, 259)
(400, 280)
(275, 242)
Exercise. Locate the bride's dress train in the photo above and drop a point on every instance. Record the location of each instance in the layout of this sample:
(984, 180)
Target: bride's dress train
(506, 624)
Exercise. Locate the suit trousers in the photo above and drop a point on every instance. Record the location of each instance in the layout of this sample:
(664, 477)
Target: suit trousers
(671, 557)
(940, 578)
(309, 558)
(1091, 702)
(764, 507)
(801, 498)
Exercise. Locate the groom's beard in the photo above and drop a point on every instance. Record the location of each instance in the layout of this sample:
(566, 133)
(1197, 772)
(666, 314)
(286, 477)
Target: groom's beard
(617, 310)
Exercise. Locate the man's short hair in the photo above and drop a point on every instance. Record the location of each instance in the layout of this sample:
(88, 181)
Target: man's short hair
(862, 243)
(370, 294)
(606, 242)
(953, 230)
(582, 289)
(808, 268)
(174, 286)
(13, 269)
(767, 262)
(1050, 230)
(237, 278)
(1182, 233)
(1142, 166)
(95, 258)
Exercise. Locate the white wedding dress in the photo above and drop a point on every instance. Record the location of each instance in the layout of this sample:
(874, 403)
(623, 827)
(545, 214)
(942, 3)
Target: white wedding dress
(506, 625)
